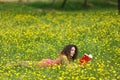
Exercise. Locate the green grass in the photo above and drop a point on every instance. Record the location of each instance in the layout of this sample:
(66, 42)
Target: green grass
(32, 32)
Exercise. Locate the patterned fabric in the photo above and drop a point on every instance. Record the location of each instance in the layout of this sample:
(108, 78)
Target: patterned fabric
(62, 59)
(47, 62)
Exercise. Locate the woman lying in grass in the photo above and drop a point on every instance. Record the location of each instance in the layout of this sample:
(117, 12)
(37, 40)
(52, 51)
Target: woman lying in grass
(67, 56)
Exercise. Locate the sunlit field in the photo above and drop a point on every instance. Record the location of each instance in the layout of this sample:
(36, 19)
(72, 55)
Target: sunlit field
(29, 33)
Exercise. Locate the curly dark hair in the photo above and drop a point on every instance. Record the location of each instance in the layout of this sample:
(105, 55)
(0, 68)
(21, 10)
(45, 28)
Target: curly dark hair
(66, 51)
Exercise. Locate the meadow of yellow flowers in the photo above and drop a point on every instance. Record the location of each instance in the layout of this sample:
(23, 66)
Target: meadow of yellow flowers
(28, 34)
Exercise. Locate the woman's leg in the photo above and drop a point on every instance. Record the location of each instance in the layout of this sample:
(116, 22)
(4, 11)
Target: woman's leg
(39, 64)
(21, 64)
(25, 63)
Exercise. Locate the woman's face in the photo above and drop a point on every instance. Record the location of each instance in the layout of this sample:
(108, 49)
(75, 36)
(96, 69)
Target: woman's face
(72, 51)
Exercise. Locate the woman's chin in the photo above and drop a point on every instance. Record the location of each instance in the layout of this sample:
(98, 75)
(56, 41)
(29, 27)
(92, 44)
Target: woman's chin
(71, 55)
